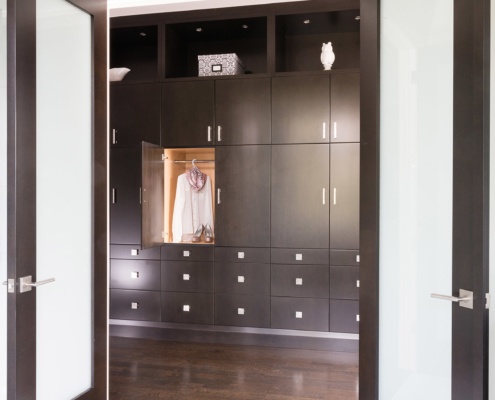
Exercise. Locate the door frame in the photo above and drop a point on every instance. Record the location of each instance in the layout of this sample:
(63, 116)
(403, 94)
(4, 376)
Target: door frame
(21, 183)
(471, 137)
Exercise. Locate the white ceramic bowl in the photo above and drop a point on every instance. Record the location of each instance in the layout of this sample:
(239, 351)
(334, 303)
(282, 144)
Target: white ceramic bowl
(117, 74)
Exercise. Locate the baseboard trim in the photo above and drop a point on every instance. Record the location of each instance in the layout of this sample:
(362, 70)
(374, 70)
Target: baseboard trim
(329, 341)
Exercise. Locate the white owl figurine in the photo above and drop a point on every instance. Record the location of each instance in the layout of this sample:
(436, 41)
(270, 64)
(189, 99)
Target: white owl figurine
(327, 56)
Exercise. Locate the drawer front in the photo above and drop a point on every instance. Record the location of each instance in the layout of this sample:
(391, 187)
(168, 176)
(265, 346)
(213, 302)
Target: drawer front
(187, 252)
(343, 316)
(242, 310)
(188, 308)
(242, 255)
(303, 314)
(234, 278)
(300, 256)
(300, 281)
(133, 252)
(135, 274)
(187, 276)
(344, 257)
(134, 305)
(343, 283)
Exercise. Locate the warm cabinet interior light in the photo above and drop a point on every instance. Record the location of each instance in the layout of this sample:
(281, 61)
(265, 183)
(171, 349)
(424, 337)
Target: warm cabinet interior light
(142, 34)
(245, 26)
(199, 29)
(307, 21)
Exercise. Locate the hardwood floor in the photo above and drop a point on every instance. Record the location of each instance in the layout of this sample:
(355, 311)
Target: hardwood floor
(148, 369)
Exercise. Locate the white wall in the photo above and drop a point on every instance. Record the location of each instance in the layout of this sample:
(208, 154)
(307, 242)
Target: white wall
(416, 198)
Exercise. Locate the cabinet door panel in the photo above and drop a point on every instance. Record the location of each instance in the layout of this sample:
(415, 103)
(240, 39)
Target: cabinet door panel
(188, 114)
(242, 278)
(300, 281)
(243, 207)
(135, 274)
(300, 211)
(188, 308)
(301, 109)
(187, 276)
(242, 111)
(344, 103)
(243, 254)
(343, 283)
(135, 305)
(187, 252)
(241, 310)
(343, 316)
(134, 114)
(344, 183)
(125, 207)
(300, 256)
(294, 313)
(344, 257)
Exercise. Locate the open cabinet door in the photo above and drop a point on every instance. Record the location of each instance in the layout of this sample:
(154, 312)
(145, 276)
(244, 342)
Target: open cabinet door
(152, 200)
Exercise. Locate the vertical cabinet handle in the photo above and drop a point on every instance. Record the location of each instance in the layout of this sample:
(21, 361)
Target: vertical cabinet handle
(323, 199)
(114, 196)
(324, 130)
(114, 136)
(334, 196)
(219, 133)
(335, 130)
(140, 196)
(219, 191)
(209, 133)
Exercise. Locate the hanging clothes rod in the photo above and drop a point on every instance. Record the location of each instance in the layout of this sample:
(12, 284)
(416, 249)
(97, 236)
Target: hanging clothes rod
(196, 161)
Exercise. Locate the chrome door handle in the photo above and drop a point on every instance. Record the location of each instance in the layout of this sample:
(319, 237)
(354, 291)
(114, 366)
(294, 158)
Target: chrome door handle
(26, 283)
(465, 298)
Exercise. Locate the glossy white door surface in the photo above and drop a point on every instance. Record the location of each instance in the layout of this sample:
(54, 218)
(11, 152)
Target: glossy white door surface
(416, 198)
(64, 196)
(3, 198)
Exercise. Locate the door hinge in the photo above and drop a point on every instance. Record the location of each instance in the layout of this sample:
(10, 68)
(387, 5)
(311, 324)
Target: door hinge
(488, 298)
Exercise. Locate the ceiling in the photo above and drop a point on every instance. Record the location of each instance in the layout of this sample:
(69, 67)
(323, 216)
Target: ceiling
(119, 8)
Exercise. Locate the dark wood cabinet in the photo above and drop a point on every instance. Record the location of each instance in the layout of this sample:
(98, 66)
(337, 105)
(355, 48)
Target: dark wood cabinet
(344, 283)
(241, 310)
(344, 316)
(135, 274)
(243, 196)
(134, 114)
(344, 208)
(188, 308)
(137, 305)
(242, 255)
(242, 278)
(299, 204)
(187, 276)
(188, 111)
(243, 111)
(301, 109)
(300, 281)
(174, 252)
(133, 252)
(307, 314)
(344, 106)
(125, 186)
(299, 256)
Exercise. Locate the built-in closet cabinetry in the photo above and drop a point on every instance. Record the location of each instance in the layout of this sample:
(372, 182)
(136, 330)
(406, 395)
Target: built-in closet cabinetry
(280, 144)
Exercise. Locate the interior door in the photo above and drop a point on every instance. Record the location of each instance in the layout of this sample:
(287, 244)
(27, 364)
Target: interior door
(56, 199)
(433, 195)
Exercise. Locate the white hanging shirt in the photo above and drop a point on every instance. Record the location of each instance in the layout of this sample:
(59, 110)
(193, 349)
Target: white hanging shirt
(191, 209)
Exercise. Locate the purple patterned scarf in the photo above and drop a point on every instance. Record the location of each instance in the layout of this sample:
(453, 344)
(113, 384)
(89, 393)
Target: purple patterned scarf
(196, 179)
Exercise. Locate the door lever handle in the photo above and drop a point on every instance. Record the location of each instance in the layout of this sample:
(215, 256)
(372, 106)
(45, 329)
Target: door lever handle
(26, 283)
(465, 298)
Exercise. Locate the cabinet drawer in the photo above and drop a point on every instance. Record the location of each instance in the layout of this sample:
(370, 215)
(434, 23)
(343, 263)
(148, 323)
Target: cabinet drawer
(343, 316)
(135, 274)
(343, 283)
(187, 276)
(300, 281)
(304, 314)
(133, 252)
(135, 304)
(344, 257)
(188, 308)
(240, 254)
(242, 310)
(300, 256)
(242, 278)
(187, 253)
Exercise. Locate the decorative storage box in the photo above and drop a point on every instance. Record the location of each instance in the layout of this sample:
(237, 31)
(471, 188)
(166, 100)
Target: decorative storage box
(220, 64)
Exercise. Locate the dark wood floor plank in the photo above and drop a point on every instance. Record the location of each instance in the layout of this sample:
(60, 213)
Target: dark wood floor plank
(153, 369)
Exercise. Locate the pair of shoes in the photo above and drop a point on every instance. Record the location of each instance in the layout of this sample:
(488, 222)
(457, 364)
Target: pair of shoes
(197, 235)
(208, 234)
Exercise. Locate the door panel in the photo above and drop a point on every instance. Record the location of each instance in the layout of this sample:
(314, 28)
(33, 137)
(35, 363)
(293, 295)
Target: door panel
(344, 108)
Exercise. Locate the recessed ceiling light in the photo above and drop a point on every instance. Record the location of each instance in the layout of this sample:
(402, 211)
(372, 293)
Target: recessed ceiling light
(358, 18)
(199, 29)
(142, 34)
(307, 21)
(245, 26)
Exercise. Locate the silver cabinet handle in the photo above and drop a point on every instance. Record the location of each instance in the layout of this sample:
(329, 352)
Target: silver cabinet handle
(465, 298)
(209, 133)
(114, 195)
(219, 133)
(114, 136)
(334, 196)
(324, 130)
(335, 130)
(219, 191)
(26, 283)
(324, 196)
(140, 195)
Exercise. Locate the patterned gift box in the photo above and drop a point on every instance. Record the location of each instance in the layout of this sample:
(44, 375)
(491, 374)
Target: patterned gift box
(220, 64)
